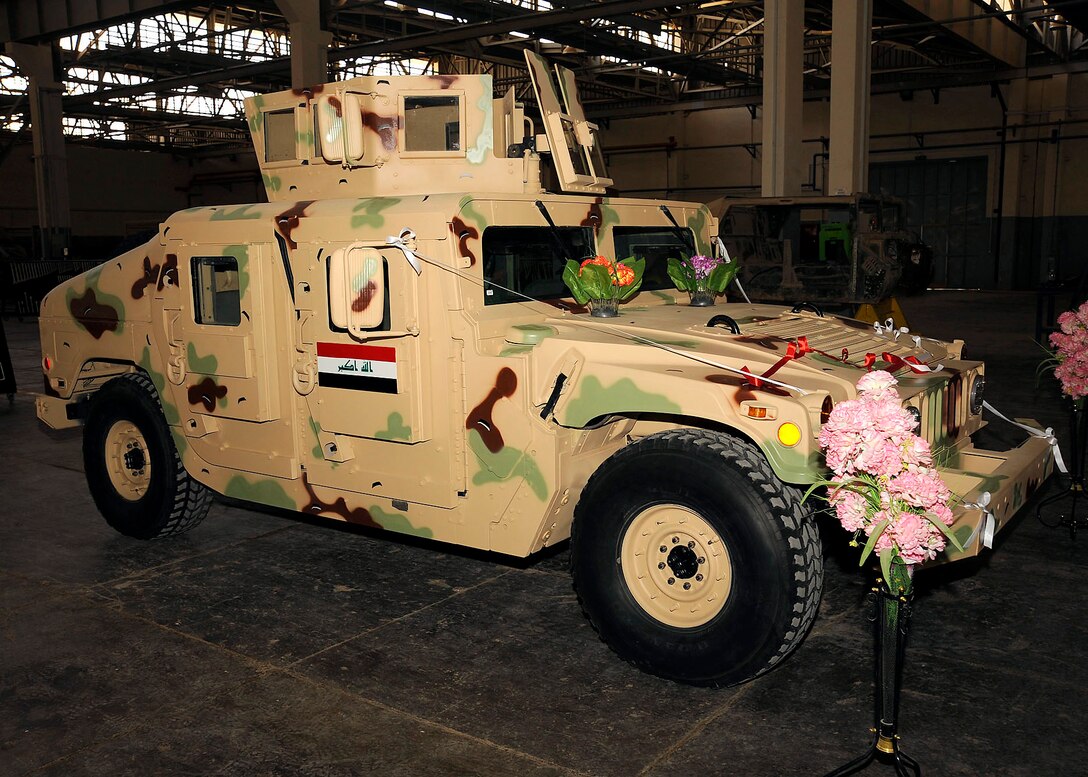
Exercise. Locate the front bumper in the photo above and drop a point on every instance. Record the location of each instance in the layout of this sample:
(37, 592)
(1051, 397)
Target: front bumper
(1010, 477)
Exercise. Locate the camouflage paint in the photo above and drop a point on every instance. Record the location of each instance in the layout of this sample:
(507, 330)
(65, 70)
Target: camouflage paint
(316, 505)
(242, 212)
(272, 182)
(206, 365)
(241, 253)
(96, 311)
(169, 409)
(480, 417)
(395, 429)
(516, 350)
(463, 232)
(371, 215)
(594, 401)
(498, 467)
(467, 208)
(287, 222)
(265, 492)
(691, 345)
(532, 334)
(485, 141)
(697, 222)
(667, 298)
(256, 119)
(398, 523)
(208, 393)
(149, 277)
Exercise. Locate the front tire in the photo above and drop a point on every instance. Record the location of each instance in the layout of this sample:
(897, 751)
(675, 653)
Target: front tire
(693, 561)
(133, 469)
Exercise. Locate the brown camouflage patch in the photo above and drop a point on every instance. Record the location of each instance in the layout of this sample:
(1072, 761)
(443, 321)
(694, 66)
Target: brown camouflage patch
(446, 81)
(95, 317)
(169, 272)
(335, 103)
(206, 393)
(480, 419)
(287, 221)
(463, 232)
(149, 278)
(357, 515)
(385, 127)
(594, 217)
(366, 296)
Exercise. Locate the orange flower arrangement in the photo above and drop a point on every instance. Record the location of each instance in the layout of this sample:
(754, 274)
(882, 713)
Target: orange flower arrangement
(599, 278)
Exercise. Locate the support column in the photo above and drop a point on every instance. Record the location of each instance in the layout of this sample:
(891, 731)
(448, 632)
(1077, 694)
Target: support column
(50, 162)
(309, 42)
(851, 61)
(783, 47)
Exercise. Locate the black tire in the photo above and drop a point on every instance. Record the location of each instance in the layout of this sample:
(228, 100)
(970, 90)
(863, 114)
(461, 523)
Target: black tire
(133, 469)
(763, 579)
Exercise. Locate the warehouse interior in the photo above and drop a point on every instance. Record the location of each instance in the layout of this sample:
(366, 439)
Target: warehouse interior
(265, 642)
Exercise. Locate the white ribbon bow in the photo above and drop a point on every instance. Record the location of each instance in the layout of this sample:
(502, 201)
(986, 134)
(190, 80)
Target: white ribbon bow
(1048, 435)
(889, 327)
(988, 526)
(400, 241)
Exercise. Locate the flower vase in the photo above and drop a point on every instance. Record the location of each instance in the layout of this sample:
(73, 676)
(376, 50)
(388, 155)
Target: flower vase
(701, 298)
(604, 308)
(892, 622)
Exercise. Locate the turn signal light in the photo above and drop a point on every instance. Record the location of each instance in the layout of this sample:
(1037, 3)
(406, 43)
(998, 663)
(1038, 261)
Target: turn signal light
(789, 434)
(754, 411)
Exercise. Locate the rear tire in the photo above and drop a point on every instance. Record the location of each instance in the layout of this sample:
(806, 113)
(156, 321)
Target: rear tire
(693, 560)
(133, 469)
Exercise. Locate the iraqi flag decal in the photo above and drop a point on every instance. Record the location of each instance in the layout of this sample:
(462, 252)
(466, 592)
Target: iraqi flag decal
(359, 367)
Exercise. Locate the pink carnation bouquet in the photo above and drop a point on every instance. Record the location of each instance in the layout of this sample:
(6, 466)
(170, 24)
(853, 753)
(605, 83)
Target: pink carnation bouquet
(1069, 359)
(885, 487)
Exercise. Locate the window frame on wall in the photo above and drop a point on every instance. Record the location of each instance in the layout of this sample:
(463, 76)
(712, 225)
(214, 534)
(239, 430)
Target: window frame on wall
(206, 311)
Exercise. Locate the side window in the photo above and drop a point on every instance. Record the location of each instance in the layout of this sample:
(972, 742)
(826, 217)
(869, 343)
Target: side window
(432, 123)
(656, 246)
(279, 135)
(217, 294)
(528, 261)
(357, 282)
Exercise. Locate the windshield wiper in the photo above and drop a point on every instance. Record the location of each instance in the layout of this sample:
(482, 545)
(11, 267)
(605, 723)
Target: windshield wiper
(557, 236)
(684, 235)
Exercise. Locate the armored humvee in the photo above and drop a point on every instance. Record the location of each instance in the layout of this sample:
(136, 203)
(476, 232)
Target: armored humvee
(388, 342)
(830, 250)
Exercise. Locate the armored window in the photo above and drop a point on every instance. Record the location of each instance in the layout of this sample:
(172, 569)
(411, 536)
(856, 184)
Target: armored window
(529, 261)
(656, 246)
(217, 295)
(279, 135)
(432, 123)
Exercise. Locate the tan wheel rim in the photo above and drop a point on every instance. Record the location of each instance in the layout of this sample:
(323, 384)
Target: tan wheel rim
(676, 566)
(127, 460)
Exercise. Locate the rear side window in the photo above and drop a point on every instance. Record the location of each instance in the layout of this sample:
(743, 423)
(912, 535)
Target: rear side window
(529, 261)
(279, 135)
(217, 295)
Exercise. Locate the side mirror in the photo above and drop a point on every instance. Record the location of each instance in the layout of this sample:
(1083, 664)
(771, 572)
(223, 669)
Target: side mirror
(356, 289)
(330, 127)
(340, 124)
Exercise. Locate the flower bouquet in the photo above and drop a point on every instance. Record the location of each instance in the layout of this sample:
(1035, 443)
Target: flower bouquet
(1069, 360)
(887, 491)
(885, 488)
(703, 277)
(602, 284)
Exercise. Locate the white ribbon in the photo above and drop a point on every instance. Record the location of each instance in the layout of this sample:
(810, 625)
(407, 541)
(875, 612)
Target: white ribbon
(988, 526)
(400, 242)
(1048, 435)
(889, 327)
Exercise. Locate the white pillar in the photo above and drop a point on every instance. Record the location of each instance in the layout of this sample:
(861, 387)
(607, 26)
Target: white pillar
(851, 33)
(50, 162)
(783, 47)
(309, 42)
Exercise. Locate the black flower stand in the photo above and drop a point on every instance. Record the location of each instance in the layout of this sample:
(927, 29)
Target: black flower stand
(1076, 489)
(892, 622)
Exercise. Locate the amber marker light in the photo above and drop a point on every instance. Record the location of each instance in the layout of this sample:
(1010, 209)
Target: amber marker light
(789, 434)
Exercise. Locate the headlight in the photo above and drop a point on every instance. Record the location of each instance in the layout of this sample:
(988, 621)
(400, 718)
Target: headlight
(917, 414)
(978, 390)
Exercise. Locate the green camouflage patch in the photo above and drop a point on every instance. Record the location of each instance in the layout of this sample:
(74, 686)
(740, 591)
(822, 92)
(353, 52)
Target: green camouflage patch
(594, 401)
(371, 211)
(265, 492)
(398, 523)
(507, 463)
(395, 429)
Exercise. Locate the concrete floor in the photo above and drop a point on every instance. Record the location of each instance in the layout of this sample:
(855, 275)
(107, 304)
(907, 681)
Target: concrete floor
(265, 643)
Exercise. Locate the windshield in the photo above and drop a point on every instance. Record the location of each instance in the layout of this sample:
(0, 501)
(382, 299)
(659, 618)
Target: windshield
(656, 246)
(528, 260)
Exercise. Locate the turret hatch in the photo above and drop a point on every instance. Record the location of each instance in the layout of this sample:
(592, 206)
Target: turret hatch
(574, 143)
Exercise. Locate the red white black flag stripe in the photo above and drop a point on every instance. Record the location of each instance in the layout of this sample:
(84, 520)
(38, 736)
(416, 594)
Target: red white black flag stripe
(359, 367)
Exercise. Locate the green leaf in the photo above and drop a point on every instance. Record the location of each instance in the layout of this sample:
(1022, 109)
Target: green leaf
(877, 531)
(682, 274)
(945, 530)
(574, 283)
(597, 281)
(721, 276)
(886, 567)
